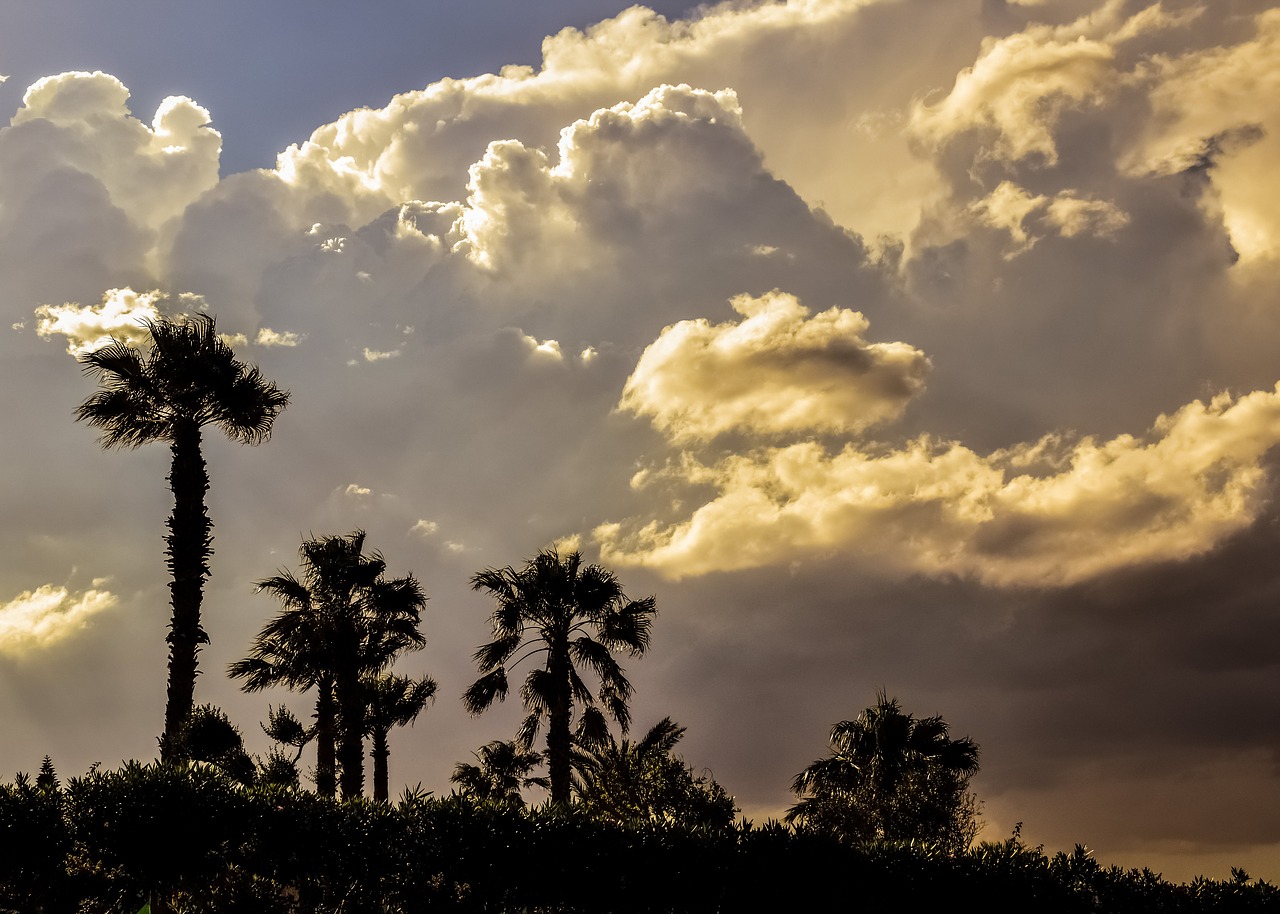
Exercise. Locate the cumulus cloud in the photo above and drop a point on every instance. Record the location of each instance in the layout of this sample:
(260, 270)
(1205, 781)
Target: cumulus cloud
(36, 619)
(122, 315)
(778, 371)
(82, 121)
(1045, 514)
(1021, 85)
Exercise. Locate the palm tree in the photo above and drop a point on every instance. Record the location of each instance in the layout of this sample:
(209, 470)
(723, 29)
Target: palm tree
(891, 776)
(502, 772)
(547, 607)
(394, 701)
(341, 622)
(187, 379)
(644, 781)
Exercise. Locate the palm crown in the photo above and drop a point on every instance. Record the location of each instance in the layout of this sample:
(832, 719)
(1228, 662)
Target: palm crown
(577, 617)
(890, 775)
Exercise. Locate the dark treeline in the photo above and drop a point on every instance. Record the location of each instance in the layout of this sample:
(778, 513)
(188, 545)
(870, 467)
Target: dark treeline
(117, 841)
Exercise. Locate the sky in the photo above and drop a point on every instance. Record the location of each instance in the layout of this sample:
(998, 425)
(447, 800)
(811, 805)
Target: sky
(916, 345)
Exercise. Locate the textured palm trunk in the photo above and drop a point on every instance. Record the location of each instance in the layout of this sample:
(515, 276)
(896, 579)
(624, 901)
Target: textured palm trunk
(351, 706)
(558, 740)
(189, 541)
(381, 754)
(326, 759)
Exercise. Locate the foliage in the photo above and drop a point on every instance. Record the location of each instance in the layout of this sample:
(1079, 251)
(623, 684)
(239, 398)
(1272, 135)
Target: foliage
(578, 617)
(185, 838)
(210, 737)
(644, 781)
(891, 776)
(188, 378)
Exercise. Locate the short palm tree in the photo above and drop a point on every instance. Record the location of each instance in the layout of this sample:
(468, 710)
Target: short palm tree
(577, 617)
(891, 776)
(343, 621)
(394, 701)
(644, 781)
(503, 771)
(188, 378)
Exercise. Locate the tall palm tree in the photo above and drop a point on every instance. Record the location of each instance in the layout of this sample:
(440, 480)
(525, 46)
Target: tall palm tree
(503, 771)
(344, 620)
(891, 776)
(188, 378)
(394, 701)
(547, 607)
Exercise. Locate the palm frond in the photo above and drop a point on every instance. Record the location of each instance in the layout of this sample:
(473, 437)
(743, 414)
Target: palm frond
(485, 690)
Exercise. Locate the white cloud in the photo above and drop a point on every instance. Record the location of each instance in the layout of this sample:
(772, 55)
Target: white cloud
(777, 371)
(424, 528)
(268, 337)
(357, 491)
(122, 315)
(380, 355)
(38, 618)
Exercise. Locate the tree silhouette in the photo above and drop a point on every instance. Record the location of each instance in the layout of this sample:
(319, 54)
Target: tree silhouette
(394, 701)
(343, 621)
(503, 771)
(188, 378)
(643, 781)
(547, 607)
(891, 776)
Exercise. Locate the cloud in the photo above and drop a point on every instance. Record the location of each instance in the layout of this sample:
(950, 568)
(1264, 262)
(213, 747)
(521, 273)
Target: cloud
(122, 315)
(268, 337)
(36, 619)
(425, 528)
(1022, 84)
(82, 121)
(1010, 207)
(778, 371)
(1044, 514)
(1220, 107)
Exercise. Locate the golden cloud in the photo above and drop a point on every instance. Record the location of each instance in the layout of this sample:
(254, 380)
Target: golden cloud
(38, 618)
(1042, 514)
(777, 371)
(1223, 104)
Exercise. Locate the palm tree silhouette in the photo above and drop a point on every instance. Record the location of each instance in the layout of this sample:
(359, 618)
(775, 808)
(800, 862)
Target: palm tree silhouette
(644, 781)
(502, 772)
(341, 622)
(394, 701)
(890, 776)
(187, 379)
(547, 607)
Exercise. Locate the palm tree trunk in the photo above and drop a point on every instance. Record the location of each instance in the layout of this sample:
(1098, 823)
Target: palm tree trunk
(381, 753)
(558, 740)
(326, 763)
(188, 552)
(351, 705)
